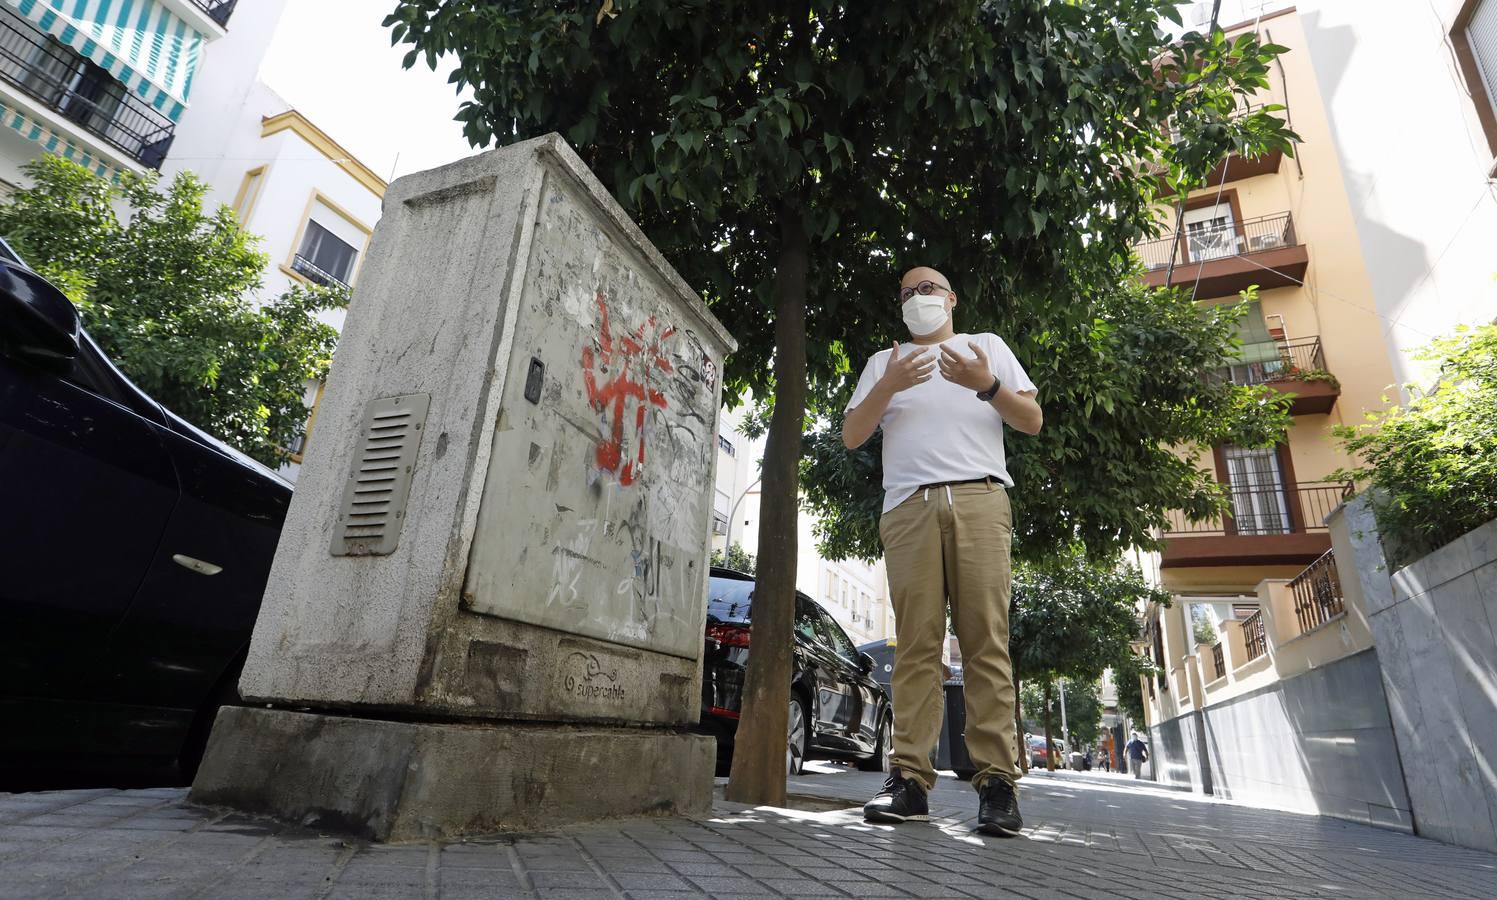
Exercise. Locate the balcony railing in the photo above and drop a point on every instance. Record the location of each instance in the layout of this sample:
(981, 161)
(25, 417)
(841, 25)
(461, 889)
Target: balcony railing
(1218, 659)
(1194, 246)
(217, 10)
(1317, 593)
(81, 92)
(1295, 359)
(310, 269)
(1268, 509)
(1253, 636)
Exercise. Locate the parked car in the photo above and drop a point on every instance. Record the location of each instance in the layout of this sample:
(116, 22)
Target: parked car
(837, 709)
(1037, 753)
(135, 550)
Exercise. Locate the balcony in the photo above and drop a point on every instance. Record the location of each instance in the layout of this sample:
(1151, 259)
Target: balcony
(1296, 368)
(81, 92)
(1317, 593)
(1265, 525)
(1255, 638)
(1235, 167)
(309, 270)
(1220, 261)
(217, 10)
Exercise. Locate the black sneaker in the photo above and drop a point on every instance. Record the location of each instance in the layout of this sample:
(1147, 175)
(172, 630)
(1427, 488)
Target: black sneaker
(901, 800)
(998, 813)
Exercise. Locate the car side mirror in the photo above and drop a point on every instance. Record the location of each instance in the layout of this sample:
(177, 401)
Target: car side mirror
(38, 323)
(865, 663)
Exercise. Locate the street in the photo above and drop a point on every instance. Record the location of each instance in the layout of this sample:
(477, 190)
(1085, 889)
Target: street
(1087, 835)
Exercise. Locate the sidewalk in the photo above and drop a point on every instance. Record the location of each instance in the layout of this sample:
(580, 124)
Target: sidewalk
(1086, 838)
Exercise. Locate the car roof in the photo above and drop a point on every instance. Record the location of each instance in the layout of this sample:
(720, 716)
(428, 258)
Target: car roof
(734, 575)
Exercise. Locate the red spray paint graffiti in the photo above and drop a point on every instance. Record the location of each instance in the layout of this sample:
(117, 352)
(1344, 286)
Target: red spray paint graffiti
(612, 358)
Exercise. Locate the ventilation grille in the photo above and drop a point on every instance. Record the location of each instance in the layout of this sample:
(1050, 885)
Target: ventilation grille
(379, 482)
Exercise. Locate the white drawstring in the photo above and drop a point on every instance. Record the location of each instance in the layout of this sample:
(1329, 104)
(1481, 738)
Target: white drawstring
(950, 503)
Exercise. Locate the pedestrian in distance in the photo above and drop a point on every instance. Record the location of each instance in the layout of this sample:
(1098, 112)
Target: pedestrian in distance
(942, 402)
(1138, 754)
(1105, 759)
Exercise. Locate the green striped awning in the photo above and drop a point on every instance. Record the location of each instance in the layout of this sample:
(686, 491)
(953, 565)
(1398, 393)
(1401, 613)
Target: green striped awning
(152, 51)
(52, 141)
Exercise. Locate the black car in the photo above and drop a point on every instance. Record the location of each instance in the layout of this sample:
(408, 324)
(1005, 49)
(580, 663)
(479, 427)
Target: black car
(135, 549)
(837, 709)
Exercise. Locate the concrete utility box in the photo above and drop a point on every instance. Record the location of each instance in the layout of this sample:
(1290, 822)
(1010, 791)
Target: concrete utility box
(503, 516)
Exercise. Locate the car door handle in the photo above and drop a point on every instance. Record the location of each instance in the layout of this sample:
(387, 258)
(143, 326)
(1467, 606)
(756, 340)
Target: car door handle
(196, 565)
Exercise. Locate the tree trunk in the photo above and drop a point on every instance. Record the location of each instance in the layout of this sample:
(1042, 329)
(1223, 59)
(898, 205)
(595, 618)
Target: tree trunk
(1049, 747)
(758, 772)
(1019, 726)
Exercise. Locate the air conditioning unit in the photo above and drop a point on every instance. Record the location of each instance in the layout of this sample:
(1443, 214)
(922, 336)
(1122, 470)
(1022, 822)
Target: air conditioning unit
(719, 524)
(1265, 242)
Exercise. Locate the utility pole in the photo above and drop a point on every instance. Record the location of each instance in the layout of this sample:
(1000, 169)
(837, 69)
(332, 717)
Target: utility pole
(1065, 733)
(733, 514)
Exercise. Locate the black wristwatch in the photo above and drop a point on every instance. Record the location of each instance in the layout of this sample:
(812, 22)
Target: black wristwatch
(988, 395)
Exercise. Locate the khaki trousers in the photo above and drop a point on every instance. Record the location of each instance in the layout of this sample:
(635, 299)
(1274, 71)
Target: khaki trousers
(952, 544)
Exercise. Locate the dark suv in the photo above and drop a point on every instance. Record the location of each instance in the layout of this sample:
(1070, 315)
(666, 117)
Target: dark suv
(837, 709)
(135, 549)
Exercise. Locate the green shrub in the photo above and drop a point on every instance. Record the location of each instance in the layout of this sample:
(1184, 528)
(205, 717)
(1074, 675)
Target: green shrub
(1433, 462)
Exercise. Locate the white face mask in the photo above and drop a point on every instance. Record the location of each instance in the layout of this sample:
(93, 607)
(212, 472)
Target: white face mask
(925, 313)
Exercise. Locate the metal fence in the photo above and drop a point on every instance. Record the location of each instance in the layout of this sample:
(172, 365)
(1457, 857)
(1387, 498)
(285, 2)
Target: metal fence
(1253, 636)
(313, 273)
(217, 10)
(1294, 359)
(85, 94)
(1267, 509)
(1317, 593)
(1198, 245)
(1219, 659)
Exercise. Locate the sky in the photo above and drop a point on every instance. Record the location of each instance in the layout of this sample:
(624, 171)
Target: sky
(332, 61)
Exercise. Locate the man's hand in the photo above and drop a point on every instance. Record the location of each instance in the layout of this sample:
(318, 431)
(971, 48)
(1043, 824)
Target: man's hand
(904, 373)
(900, 374)
(974, 374)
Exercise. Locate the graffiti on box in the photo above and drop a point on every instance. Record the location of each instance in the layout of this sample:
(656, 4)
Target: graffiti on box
(644, 349)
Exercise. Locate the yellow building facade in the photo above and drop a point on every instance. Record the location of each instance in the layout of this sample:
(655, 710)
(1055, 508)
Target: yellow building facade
(1263, 574)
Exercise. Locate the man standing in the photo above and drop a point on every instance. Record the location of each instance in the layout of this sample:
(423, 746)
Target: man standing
(1138, 754)
(946, 527)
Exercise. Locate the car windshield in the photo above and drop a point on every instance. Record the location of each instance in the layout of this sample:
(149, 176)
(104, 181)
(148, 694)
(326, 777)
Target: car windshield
(729, 599)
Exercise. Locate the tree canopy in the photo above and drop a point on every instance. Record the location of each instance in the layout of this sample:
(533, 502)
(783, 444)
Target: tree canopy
(792, 157)
(1073, 617)
(165, 290)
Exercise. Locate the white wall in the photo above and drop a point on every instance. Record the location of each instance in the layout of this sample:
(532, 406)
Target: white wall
(220, 120)
(875, 619)
(1415, 163)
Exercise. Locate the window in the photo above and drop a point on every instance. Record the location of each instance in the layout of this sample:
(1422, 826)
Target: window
(1474, 37)
(1256, 486)
(726, 446)
(807, 619)
(834, 637)
(720, 513)
(1259, 359)
(326, 251)
(324, 258)
(1210, 233)
(298, 448)
(249, 193)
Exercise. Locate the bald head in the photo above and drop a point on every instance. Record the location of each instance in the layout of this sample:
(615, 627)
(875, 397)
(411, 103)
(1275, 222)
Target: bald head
(924, 273)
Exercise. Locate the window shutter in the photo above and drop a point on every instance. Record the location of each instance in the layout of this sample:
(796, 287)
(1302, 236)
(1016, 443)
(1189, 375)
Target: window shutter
(1481, 32)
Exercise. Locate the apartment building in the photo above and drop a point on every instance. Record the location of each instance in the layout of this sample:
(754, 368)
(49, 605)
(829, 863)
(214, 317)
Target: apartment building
(1418, 156)
(1259, 620)
(106, 84)
(856, 593)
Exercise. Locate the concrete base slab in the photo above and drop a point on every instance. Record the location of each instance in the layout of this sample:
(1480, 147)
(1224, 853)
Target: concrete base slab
(402, 781)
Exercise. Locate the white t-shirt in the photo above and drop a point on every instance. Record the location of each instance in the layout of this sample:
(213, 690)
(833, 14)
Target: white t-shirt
(939, 431)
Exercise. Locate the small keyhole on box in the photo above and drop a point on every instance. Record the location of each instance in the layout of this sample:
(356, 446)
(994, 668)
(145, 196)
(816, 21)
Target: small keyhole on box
(533, 379)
